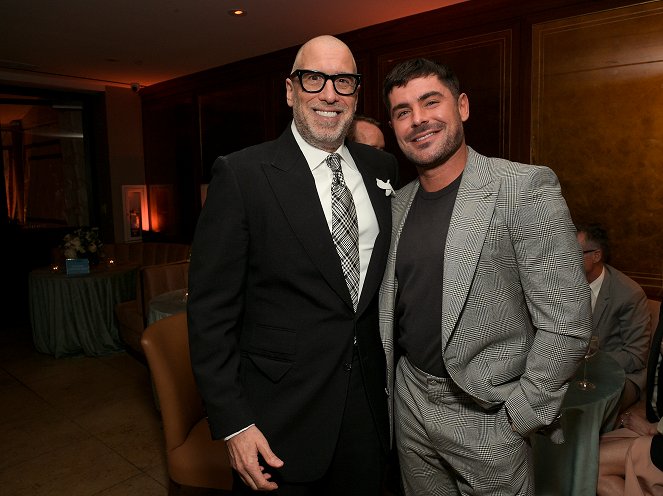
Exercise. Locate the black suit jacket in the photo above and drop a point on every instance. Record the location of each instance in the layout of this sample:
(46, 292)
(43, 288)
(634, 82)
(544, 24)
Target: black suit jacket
(271, 321)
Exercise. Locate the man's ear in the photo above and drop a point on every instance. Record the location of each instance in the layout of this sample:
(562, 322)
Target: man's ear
(597, 255)
(464, 107)
(289, 89)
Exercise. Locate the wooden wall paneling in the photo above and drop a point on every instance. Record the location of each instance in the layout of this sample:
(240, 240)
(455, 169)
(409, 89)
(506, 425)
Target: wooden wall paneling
(171, 154)
(597, 120)
(279, 114)
(190, 121)
(370, 84)
(483, 64)
(488, 43)
(363, 68)
(231, 118)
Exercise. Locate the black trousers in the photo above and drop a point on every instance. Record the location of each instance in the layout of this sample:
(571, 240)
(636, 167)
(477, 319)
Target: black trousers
(357, 467)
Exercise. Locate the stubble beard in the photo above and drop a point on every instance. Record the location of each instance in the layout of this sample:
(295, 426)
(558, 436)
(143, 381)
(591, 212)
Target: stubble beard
(445, 151)
(324, 138)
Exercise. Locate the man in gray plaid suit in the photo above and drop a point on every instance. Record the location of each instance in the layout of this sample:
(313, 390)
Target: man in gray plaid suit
(484, 298)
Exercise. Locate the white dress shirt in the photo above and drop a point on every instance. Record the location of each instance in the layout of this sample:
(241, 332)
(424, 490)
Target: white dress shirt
(322, 174)
(595, 286)
(367, 222)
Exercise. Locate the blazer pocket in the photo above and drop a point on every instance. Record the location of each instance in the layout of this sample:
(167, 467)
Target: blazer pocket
(273, 369)
(273, 350)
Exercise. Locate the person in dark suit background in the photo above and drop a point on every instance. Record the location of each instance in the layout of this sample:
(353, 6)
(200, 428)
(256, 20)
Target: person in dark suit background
(289, 363)
(620, 317)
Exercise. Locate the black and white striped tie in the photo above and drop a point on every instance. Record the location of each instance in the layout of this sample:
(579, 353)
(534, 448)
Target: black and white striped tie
(344, 227)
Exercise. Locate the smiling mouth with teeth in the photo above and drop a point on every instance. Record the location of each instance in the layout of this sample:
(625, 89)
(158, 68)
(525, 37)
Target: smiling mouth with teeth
(326, 113)
(421, 138)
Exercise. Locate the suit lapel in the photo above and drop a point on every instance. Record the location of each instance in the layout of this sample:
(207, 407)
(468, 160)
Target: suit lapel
(382, 208)
(475, 203)
(602, 301)
(294, 188)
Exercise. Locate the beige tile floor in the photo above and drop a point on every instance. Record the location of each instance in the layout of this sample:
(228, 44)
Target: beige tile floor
(76, 426)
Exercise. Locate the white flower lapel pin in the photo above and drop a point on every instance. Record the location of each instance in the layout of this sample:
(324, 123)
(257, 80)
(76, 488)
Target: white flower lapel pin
(386, 186)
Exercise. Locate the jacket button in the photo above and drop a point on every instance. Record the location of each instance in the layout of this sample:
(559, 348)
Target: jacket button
(347, 367)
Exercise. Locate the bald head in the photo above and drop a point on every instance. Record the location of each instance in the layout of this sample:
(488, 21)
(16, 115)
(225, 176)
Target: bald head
(324, 46)
(322, 116)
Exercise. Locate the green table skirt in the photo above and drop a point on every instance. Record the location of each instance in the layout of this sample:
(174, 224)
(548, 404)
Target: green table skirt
(74, 315)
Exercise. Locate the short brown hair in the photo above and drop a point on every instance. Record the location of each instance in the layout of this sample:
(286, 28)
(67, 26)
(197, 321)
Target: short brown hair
(597, 235)
(411, 69)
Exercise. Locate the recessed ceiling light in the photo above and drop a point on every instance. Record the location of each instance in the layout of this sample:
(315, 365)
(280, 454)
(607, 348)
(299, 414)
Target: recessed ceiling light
(237, 13)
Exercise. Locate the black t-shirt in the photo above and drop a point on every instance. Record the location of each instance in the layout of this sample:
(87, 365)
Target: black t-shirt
(419, 269)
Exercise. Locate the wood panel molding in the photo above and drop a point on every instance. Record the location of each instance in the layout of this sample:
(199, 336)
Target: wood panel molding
(572, 84)
(597, 120)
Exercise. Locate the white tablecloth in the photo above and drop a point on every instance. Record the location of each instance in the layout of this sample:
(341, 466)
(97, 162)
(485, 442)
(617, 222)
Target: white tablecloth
(167, 304)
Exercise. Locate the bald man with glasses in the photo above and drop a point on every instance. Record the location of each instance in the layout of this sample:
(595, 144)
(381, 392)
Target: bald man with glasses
(286, 263)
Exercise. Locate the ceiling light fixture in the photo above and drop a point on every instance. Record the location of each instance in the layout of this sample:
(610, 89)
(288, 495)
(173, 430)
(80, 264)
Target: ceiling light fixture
(237, 13)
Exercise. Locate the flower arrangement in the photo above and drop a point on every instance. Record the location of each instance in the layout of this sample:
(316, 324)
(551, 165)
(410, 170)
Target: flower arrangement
(84, 242)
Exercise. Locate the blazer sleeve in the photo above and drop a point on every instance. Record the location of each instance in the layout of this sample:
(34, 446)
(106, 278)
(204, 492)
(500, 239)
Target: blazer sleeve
(216, 280)
(550, 267)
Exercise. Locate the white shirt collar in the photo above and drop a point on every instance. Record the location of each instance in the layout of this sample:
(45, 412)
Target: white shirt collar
(595, 286)
(315, 157)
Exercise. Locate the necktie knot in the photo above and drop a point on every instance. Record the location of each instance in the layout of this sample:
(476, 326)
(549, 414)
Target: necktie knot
(334, 163)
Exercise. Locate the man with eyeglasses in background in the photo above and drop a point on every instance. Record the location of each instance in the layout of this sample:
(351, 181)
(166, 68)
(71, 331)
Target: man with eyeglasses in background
(287, 259)
(620, 316)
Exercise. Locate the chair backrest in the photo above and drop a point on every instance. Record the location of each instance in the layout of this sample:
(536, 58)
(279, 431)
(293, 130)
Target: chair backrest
(147, 253)
(194, 458)
(159, 279)
(166, 346)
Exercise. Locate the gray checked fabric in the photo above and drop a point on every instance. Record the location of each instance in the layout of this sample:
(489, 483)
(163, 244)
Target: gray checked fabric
(449, 446)
(344, 227)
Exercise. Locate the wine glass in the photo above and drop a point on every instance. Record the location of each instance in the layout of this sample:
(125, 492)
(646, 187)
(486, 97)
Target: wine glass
(584, 384)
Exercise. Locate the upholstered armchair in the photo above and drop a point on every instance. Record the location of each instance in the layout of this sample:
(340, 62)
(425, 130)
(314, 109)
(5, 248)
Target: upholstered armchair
(194, 459)
(153, 280)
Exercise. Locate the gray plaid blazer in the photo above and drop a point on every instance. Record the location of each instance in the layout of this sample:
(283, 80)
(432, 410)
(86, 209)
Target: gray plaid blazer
(516, 312)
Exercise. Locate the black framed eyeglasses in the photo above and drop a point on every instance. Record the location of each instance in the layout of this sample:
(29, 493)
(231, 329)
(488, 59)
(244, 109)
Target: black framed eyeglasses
(585, 252)
(314, 81)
